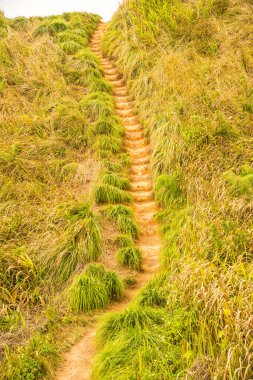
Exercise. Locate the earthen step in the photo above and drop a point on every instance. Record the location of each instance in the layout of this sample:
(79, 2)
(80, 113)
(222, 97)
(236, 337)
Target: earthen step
(146, 207)
(125, 113)
(137, 152)
(120, 99)
(134, 135)
(124, 105)
(130, 120)
(120, 92)
(119, 83)
(112, 77)
(135, 144)
(141, 186)
(140, 169)
(154, 268)
(151, 249)
(137, 178)
(142, 196)
(110, 71)
(140, 160)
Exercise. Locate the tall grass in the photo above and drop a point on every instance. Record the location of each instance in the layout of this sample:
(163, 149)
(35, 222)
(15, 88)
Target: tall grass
(188, 68)
(48, 166)
(95, 288)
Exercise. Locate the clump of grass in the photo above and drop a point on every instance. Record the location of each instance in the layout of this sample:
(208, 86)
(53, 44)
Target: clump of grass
(88, 293)
(71, 47)
(130, 318)
(106, 146)
(95, 270)
(105, 126)
(154, 293)
(96, 109)
(73, 36)
(124, 241)
(119, 182)
(114, 286)
(101, 85)
(95, 288)
(130, 257)
(167, 189)
(109, 194)
(80, 242)
(240, 184)
(20, 23)
(124, 218)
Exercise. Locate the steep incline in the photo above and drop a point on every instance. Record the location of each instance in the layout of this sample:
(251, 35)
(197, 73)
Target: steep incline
(78, 362)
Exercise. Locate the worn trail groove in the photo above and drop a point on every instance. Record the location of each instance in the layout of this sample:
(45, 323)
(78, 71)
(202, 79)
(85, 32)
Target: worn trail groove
(77, 363)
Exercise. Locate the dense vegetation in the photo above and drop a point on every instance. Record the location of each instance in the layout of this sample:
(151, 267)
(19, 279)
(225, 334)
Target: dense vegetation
(189, 68)
(58, 134)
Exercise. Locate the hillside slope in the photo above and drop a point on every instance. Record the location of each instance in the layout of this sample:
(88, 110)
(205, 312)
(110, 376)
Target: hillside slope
(58, 131)
(189, 69)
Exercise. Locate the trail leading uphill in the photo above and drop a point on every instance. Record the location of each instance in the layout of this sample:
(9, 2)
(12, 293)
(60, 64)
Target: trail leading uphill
(78, 362)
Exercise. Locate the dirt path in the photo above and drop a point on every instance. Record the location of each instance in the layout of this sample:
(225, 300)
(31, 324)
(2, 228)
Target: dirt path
(77, 362)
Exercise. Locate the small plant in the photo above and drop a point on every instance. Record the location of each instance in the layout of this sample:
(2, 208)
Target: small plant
(130, 257)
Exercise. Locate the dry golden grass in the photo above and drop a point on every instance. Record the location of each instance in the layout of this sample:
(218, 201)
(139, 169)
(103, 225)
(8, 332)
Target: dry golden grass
(189, 69)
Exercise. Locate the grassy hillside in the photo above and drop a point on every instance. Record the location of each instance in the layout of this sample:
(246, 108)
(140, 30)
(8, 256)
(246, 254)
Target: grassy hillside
(189, 69)
(60, 154)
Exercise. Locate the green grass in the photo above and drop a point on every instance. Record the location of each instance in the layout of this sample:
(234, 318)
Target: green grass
(95, 288)
(124, 218)
(88, 293)
(71, 47)
(109, 194)
(48, 230)
(196, 112)
(129, 257)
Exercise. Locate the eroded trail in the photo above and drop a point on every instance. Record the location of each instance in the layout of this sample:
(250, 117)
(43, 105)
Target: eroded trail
(77, 363)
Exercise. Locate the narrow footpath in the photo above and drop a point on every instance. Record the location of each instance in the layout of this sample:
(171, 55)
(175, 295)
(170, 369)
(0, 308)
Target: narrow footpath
(77, 363)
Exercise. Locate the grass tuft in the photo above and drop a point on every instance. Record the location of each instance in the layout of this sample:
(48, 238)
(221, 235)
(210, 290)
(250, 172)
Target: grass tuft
(109, 194)
(130, 257)
(88, 293)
